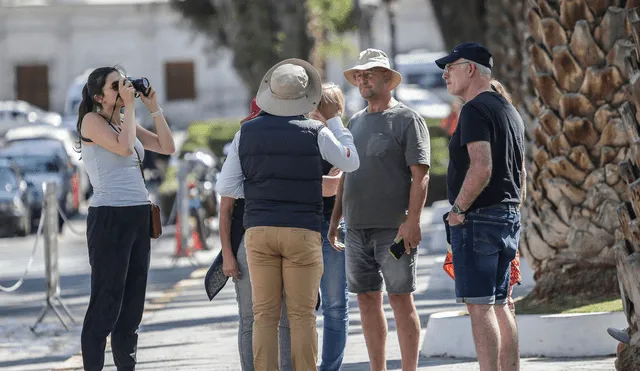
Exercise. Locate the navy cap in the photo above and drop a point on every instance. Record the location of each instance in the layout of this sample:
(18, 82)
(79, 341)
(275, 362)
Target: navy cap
(470, 51)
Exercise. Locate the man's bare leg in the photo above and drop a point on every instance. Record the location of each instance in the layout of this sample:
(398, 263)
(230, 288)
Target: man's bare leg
(509, 345)
(486, 335)
(408, 325)
(374, 327)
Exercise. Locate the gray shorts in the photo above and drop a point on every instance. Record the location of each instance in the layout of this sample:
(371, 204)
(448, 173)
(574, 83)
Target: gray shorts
(369, 263)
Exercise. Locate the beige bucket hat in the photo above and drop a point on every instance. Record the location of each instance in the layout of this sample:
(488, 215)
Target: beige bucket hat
(371, 58)
(292, 87)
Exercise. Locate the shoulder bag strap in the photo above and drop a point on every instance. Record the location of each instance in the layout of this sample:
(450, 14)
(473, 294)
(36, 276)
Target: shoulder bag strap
(140, 166)
(137, 154)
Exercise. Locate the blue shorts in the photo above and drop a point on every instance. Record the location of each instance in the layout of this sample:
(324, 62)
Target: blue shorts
(483, 247)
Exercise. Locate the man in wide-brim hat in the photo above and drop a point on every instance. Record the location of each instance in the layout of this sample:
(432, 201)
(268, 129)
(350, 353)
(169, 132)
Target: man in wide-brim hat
(231, 262)
(275, 163)
(374, 60)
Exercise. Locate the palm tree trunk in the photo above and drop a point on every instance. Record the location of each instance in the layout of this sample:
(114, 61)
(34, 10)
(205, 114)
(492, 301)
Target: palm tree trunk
(627, 249)
(457, 28)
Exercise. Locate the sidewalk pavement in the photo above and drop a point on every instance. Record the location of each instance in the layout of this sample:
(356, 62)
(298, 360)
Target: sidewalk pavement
(191, 333)
(24, 350)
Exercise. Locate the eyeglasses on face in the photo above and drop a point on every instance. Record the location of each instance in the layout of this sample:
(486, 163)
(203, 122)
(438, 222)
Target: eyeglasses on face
(446, 68)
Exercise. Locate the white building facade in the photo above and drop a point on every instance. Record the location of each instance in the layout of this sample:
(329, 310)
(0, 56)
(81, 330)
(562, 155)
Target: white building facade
(44, 47)
(45, 44)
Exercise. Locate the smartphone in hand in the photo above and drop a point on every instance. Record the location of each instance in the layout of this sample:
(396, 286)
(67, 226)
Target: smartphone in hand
(397, 249)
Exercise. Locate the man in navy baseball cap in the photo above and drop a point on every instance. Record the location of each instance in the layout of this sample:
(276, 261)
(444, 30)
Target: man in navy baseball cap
(486, 179)
(470, 51)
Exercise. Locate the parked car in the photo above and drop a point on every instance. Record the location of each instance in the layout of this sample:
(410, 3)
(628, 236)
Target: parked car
(41, 161)
(13, 114)
(418, 67)
(69, 139)
(428, 104)
(20, 113)
(16, 200)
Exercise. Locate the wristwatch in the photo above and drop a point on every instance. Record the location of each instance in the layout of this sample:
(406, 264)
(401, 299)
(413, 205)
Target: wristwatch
(456, 210)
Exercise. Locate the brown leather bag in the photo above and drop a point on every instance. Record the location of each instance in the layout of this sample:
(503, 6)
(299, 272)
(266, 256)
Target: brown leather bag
(155, 223)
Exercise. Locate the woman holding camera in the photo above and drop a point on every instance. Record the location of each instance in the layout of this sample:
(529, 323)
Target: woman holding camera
(118, 221)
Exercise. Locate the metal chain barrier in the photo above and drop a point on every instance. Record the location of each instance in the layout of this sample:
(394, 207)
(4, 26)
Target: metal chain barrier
(66, 222)
(17, 285)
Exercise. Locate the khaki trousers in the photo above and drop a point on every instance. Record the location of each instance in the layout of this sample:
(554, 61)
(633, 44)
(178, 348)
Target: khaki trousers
(290, 259)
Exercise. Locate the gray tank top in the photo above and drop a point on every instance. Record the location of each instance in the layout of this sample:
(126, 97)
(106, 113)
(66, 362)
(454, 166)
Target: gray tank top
(116, 180)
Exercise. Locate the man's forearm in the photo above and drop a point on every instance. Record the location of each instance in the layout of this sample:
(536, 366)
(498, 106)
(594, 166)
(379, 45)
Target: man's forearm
(225, 217)
(474, 183)
(336, 215)
(417, 197)
(330, 185)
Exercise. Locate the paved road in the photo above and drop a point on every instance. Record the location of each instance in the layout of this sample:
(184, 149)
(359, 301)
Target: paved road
(191, 333)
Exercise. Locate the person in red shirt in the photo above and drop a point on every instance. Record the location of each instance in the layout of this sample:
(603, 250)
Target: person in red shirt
(449, 123)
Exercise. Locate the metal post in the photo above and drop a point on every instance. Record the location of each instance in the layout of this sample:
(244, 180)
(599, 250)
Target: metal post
(392, 35)
(182, 199)
(52, 272)
(366, 12)
(50, 214)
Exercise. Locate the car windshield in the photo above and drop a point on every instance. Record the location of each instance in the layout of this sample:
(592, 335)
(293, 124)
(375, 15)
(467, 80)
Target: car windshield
(36, 164)
(415, 96)
(8, 181)
(426, 79)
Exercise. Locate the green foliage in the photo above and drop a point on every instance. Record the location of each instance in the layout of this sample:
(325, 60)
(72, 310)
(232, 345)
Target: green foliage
(261, 33)
(210, 134)
(170, 182)
(331, 19)
(614, 305)
(439, 156)
(335, 15)
(569, 304)
(205, 134)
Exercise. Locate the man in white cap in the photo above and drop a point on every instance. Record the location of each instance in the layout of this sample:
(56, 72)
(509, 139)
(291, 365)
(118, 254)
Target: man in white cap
(275, 163)
(382, 203)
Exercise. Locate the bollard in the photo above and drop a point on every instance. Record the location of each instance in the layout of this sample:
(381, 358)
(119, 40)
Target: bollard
(52, 272)
(184, 228)
(50, 232)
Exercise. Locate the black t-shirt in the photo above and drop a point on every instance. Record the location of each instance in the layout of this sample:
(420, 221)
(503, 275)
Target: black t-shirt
(490, 118)
(327, 202)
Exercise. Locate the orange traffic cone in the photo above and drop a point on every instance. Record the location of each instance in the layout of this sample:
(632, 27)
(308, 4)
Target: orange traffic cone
(75, 191)
(197, 244)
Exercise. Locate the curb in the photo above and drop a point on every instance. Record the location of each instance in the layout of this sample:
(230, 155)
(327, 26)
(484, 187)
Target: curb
(74, 362)
(555, 335)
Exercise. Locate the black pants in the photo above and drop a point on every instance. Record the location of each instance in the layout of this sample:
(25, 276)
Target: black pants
(119, 254)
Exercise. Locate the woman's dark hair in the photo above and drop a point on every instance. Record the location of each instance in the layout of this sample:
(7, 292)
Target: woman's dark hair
(93, 87)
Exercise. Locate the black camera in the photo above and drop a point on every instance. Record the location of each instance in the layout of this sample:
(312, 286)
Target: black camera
(141, 85)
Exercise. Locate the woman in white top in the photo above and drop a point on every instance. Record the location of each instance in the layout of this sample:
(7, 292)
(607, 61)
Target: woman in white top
(118, 221)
